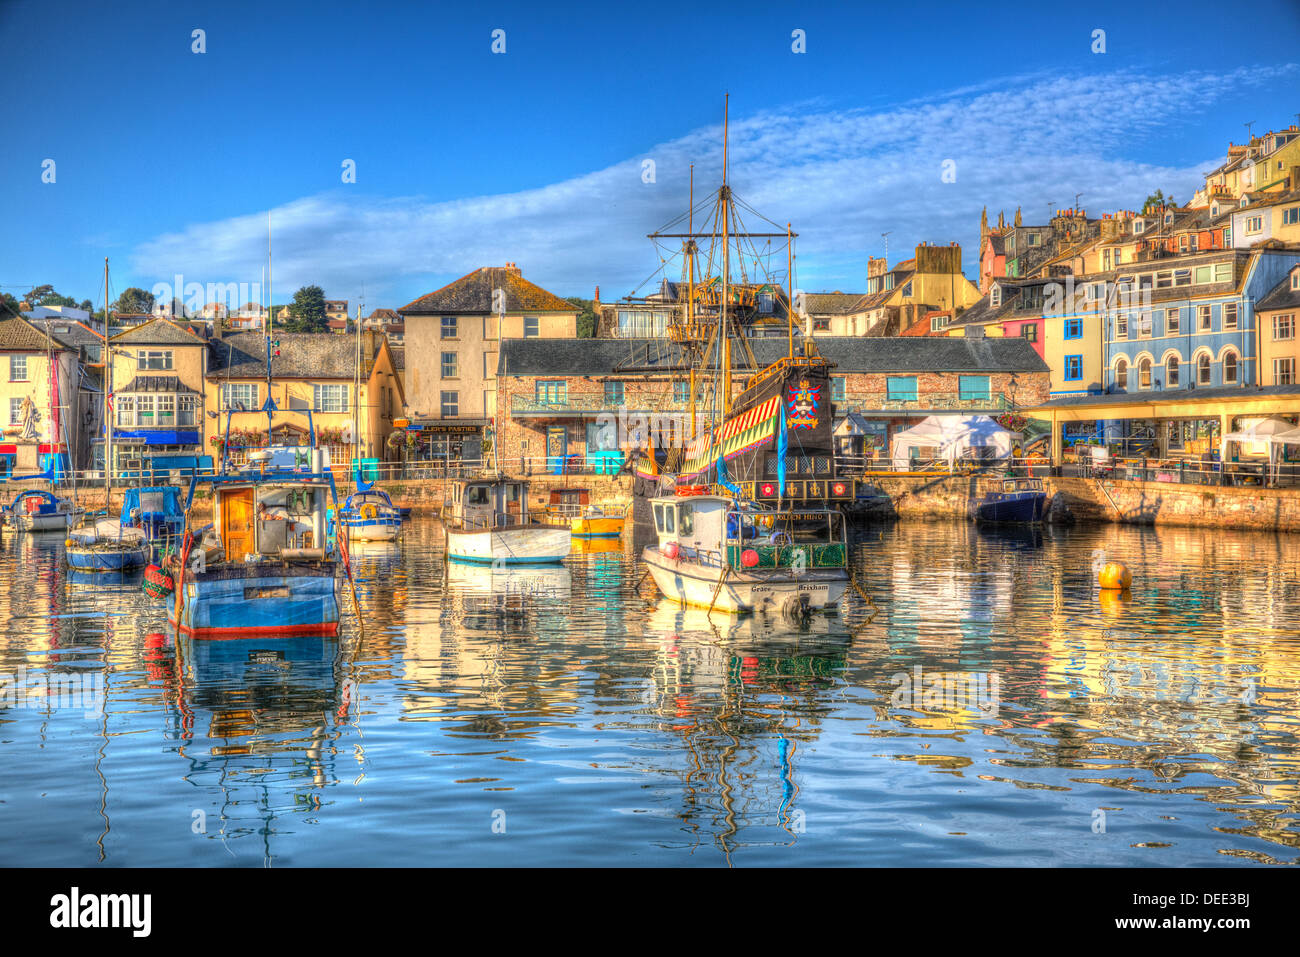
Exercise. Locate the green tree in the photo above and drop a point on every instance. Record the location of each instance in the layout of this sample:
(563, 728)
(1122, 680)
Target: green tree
(135, 300)
(587, 317)
(1156, 200)
(307, 312)
(46, 296)
(8, 306)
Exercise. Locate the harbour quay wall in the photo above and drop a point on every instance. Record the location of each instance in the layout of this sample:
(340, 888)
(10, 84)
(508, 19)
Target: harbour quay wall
(1139, 503)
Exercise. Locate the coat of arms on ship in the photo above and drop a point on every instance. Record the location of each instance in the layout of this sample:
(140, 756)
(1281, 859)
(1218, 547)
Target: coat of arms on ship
(801, 405)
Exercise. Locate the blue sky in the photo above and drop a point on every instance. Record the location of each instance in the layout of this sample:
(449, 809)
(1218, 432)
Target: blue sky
(168, 161)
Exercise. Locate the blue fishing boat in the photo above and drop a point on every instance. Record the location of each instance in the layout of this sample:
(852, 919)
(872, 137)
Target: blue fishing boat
(264, 567)
(369, 515)
(37, 511)
(149, 525)
(1020, 501)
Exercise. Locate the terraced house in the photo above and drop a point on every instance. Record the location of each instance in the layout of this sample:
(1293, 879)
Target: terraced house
(313, 373)
(452, 339)
(156, 397)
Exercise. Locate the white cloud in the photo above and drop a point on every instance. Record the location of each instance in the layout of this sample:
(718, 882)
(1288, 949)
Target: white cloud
(841, 176)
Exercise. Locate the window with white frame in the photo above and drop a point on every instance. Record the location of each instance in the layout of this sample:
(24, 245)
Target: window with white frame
(239, 396)
(1121, 325)
(16, 411)
(1171, 322)
(1254, 224)
(1171, 372)
(450, 365)
(329, 398)
(1284, 327)
(449, 327)
(1291, 216)
(1203, 318)
(1229, 315)
(1121, 374)
(1284, 371)
(449, 406)
(1144, 373)
(1229, 368)
(1203, 370)
(17, 368)
(153, 359)
(187, 410)
(1144, 325)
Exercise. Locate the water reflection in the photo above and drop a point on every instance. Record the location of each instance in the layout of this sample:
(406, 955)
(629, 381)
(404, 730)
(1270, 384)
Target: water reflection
(989, 711)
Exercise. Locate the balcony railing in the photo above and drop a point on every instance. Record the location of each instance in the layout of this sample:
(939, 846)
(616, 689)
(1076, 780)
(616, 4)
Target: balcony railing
(596, 402)
(927, 402)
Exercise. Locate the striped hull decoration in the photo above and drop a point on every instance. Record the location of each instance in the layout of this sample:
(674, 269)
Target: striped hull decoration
(739, 434)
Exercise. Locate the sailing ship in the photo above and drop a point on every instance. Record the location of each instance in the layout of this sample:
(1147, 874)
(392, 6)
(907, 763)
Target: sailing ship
(771, 440)
(487, 521)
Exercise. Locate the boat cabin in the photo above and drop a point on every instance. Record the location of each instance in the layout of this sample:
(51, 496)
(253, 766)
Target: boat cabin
(156, 509)
(569, 502)
(708, 528)
(270, 520)
(486, 503)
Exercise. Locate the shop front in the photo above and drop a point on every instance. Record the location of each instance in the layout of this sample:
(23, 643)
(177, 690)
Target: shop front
(457, 444)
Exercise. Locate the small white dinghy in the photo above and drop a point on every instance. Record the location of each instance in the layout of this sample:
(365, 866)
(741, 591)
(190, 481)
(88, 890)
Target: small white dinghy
(487, 522)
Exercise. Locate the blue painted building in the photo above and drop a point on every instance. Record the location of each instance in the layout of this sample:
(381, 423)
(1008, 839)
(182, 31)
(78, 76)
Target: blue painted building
(1188, 322)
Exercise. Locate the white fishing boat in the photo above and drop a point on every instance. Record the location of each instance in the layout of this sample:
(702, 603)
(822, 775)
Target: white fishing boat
(716, 553)
(487, 522)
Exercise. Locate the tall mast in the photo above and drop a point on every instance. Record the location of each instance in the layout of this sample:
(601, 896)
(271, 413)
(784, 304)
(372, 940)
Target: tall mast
(789, 285)
(690, 291)
(725, 196)
(356, 404)
(269, 323)
(108, 409)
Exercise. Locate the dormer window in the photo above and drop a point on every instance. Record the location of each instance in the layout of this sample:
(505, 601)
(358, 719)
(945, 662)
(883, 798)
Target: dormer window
(873, 284)
(1137, 226)
(1169, 218)
(995, 295)
(1295, 278)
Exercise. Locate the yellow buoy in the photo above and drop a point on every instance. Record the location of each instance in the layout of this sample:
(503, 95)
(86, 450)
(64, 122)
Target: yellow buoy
(1116, 576)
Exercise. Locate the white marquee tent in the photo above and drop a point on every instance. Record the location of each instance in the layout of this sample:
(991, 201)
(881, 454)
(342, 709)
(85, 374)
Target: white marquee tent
(950, 437)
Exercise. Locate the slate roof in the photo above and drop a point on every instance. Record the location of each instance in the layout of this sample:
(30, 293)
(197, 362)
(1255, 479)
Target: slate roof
(1281, 296)
(21, 334)
(157, 332)
(68, 331)
(303, 355)
(157, 383)
(561, 357)
(831, 303)
(473, 294)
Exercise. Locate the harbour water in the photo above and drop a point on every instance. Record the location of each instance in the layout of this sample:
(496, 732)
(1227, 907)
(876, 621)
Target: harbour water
(995, 708)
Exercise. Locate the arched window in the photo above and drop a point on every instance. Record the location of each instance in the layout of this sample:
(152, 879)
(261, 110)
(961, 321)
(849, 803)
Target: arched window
(1230, 368)
(1121, 375)
(1203, 369)
(1144, 373)
(1171, 372)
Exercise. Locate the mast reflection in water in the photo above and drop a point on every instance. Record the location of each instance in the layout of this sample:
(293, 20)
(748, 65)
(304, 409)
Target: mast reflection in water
(994, 708)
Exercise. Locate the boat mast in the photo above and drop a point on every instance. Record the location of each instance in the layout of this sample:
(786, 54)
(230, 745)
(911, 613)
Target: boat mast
(356, 404)
(725, 196)
(690, 291)
(108, 408)
(789, 285)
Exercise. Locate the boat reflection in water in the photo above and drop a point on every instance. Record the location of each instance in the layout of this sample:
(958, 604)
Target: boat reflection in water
(484, 597)
(258, 720)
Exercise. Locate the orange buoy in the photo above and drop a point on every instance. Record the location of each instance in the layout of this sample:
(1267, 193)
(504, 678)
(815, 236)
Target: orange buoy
(1115, 576)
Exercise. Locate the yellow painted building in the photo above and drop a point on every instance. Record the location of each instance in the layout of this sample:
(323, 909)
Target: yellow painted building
(157, 373)
(1276, 315)
(312, 372)
(42, 405)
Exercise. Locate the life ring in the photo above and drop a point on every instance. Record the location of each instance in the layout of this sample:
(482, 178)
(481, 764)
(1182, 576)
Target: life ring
(369, 511)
